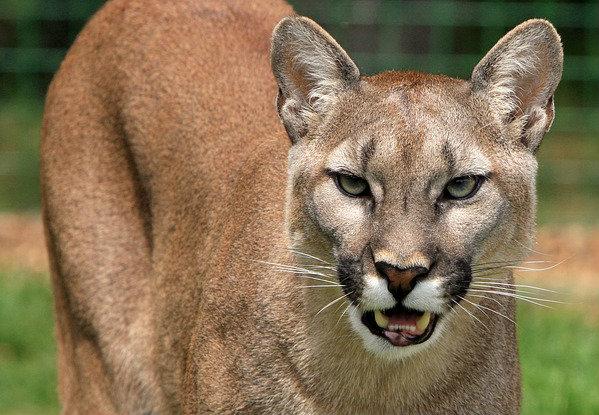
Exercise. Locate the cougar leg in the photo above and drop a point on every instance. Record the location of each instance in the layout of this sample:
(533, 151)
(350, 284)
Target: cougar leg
(98, 233)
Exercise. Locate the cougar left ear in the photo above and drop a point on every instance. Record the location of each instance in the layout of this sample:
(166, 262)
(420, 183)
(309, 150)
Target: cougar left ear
(519, 75)
(311, 69)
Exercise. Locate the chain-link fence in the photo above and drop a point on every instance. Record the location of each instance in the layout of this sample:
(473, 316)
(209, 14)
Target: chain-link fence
(436, 36)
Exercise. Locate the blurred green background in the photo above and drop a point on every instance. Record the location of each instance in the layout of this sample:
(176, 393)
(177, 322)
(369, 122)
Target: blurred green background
(560, 348)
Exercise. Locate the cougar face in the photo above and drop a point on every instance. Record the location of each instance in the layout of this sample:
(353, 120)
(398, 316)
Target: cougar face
(407, 194)
(407, 184)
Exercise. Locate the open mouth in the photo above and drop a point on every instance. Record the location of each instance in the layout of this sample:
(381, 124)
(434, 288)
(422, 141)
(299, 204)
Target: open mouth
(401, 326)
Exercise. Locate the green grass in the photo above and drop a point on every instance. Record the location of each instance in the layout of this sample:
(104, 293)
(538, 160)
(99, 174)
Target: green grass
(27, 346)
(559, 353)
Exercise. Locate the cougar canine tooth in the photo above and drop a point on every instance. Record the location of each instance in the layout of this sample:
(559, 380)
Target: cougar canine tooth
(381, 320)
(423, 321)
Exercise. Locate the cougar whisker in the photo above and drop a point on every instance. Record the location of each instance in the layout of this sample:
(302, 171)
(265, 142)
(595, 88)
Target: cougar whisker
(503, 289)
(309, 256)
(530, 249)
(485, 297)
(532, 300)
(518, 286)
(332, 302)
(527, 269)
(316, 279)
(489, 309)
(295, 269)
(307, 272)
(501, 264)
(342, 314)
(475, 305)
(321, 286)
(469, 313)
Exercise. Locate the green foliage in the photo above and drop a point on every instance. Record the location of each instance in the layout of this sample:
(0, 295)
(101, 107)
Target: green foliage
(19, 155)
(568, 179)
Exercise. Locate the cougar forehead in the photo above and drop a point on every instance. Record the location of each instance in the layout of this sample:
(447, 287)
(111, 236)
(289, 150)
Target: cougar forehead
(407, 117)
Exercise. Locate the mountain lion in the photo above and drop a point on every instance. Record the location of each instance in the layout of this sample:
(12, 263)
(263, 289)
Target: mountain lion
(209, 256)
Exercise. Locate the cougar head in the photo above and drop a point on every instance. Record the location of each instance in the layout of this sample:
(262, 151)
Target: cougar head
(411, 184)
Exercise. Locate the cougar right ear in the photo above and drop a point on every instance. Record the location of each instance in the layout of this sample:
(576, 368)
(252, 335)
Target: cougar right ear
(311, 69)
(519, 75)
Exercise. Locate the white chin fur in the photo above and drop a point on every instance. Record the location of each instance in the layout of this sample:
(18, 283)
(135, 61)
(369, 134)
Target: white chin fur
(381, 347)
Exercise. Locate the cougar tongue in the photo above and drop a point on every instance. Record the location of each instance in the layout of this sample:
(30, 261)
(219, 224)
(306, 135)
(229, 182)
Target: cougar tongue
(403, 327)
(398, 338)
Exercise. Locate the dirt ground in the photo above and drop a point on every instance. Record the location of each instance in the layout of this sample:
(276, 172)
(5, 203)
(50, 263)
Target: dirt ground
(22, 247)
(22, 244)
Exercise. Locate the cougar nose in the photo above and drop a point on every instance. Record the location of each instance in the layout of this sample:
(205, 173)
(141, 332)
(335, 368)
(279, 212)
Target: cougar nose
(400, 280)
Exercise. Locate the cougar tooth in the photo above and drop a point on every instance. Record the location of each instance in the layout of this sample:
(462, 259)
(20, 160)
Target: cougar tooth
(423, 321)
(381, 320)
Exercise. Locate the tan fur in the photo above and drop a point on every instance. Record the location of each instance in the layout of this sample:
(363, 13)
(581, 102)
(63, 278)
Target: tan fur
(167, 177)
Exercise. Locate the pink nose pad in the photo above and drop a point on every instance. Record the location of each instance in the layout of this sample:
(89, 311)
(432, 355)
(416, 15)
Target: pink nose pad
(400, 280)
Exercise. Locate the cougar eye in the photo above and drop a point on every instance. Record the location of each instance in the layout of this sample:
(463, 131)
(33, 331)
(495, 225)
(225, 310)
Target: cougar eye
(351, 185)
(462, 187)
